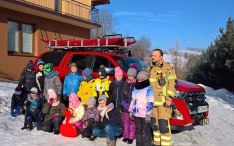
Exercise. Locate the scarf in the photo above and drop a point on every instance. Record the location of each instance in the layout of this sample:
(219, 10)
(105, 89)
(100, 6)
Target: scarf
(51, 74)
(143, 84)
(74, 106)
(103, 111)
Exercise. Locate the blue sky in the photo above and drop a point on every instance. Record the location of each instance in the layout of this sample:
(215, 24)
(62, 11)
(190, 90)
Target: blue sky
(194, 23)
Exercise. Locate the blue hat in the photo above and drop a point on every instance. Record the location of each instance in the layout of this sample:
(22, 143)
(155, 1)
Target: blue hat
(87, 73)
(40, 62)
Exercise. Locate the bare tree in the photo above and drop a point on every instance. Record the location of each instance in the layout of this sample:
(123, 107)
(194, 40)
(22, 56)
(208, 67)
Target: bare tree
(141, 49)
(176, 59)
(105, 19)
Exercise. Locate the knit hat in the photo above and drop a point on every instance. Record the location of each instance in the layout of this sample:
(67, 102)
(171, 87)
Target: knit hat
(142, 75)
(52, 94)
(73, 65)
(102, 73)
(132, 72)
(102, 97)
(73, 97)
(40, 62)
(30, 65)
(118, 72)
(48, 68)
(87, 73)
(34, 89)
(91, 101)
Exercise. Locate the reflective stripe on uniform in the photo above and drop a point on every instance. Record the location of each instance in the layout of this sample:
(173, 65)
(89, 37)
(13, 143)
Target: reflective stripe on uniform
(166, 143)
(156, 133)
(173, 77)
(156, 139)
(152, 80)
(165, 137)
(171, 93)
(158, 103)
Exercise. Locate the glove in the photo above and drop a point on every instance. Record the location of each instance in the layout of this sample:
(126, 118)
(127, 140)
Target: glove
(89, 121)
(131, 116)
(55, 116)
(147, 119)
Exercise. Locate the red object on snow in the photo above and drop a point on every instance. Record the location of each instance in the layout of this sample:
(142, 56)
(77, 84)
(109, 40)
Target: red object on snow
(67, 129)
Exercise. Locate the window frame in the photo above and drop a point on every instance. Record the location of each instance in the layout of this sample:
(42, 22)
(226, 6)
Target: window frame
(20, 39)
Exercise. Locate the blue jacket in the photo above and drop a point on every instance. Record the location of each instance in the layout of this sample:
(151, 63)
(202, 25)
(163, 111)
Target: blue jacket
(72, 83)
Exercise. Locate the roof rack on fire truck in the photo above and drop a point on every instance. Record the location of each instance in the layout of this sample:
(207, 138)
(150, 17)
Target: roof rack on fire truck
(112, 43)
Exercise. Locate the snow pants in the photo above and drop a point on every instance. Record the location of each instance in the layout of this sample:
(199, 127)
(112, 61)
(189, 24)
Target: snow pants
(143, 132)
(129, 126)
(31, 117)
(78, 126)
(161, 126)
(52, 125)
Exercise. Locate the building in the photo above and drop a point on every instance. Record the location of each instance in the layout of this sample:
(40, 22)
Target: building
(23, 23)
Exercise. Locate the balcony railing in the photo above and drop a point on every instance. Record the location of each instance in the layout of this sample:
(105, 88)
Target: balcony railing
(66, 7)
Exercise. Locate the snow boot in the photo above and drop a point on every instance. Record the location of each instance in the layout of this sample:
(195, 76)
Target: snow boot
(130, 141)
(125, 140)
(56, 132)
(30, 127)
(24, 127)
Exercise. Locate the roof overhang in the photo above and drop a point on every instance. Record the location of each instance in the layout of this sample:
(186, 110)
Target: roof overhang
(100, 2)
(48, 14)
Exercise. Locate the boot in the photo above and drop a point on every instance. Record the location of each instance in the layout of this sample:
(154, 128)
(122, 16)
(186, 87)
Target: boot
(111, 143)
(56, 132)
(125, 140)
(130, 141)
(29, 127)
(24, 127)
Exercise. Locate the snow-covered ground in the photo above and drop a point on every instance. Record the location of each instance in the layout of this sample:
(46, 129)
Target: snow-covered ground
(220, 131)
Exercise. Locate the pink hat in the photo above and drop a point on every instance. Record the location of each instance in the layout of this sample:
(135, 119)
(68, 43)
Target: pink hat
(73, 97)
(118, 72)
(52, 94)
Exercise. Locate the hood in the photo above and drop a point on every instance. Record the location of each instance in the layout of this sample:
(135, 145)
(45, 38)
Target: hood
(188, 86)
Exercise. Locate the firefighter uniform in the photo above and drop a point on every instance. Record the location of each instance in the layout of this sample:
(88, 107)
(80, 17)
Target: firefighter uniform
(163, 81)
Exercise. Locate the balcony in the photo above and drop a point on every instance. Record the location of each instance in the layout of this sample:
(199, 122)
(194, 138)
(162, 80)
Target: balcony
(68, 11)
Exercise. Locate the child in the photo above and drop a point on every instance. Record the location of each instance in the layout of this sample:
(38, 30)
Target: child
(52, 81)
(40, 77)
(117, 88)
(15, 101)
(110, 123)
(129, 126)
(86, 86)
(54, 113)
(72, 82)
(78, 111)
(90, 118)
(32, 105)
(27, 80)
(102, 83)
(141, 108)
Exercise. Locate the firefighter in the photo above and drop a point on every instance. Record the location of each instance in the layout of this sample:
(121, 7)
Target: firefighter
(163, 81)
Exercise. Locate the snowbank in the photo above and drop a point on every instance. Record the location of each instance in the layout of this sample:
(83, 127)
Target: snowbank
(218, 132)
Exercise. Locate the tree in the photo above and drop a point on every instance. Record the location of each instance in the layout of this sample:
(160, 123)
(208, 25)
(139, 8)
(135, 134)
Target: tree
(215, 68)
(141, 48)
(105, 19)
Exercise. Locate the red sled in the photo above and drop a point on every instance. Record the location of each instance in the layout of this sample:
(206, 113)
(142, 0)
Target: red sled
(67, 129)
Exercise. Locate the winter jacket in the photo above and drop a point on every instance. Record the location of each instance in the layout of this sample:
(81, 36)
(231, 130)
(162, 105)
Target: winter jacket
(16, 99)
(101, 86)
(91, 112)
(78, 114)
(127, 98)
(116, 92)
(114, 117)
(86, 90)
(32, 103)
(50, 111)
(27, 79)
(40, 79)
(52, 82)
(142, 102)
(71, 83)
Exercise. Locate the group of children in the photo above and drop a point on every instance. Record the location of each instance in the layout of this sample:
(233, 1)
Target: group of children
(100, 107)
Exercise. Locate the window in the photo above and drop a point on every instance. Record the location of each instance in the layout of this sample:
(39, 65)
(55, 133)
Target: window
(101, 61)
(53, 57)
(20, 38)
(82, 61)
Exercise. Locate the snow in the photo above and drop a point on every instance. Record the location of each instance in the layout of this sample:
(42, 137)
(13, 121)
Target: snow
(218, 132)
